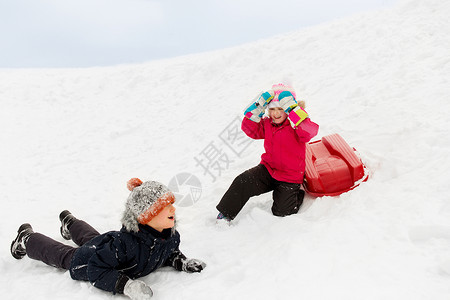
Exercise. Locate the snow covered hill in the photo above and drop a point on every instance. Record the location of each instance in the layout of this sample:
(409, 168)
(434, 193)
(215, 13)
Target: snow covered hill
(71, 138)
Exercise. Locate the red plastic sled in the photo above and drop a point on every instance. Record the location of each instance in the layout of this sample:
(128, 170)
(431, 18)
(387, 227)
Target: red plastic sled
(332, 167)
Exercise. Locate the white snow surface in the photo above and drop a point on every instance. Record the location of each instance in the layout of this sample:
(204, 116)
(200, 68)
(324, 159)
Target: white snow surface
(71, 138)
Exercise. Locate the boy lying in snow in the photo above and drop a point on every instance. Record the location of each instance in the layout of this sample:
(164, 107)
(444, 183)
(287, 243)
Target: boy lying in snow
(112, 261)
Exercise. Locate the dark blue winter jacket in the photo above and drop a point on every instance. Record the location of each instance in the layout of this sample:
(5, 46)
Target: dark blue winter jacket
(110, 259)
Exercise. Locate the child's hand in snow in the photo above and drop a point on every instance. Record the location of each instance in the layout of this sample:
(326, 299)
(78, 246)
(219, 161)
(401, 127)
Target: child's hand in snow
(137, 290)
(193, 265)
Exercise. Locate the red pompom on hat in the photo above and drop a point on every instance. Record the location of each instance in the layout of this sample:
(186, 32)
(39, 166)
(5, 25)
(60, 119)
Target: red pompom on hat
(133, 182)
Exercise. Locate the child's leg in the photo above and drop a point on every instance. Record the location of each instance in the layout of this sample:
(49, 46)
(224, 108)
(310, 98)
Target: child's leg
(49, 251)
(81, 232)
(252, 182)
(287, 198)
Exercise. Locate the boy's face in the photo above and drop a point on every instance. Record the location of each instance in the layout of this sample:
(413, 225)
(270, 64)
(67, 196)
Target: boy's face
(277, 114)
(165, 219)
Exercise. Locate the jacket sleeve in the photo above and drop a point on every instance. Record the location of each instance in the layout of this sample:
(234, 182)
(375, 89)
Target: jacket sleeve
(176, 260)
(103, 267)
(306, 130)
(253, 129)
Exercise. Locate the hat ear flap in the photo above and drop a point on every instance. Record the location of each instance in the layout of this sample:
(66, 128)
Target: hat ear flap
(129, 220)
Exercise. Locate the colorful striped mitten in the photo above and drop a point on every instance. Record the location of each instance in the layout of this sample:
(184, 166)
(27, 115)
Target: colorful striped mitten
(256, 110)
(290, 106)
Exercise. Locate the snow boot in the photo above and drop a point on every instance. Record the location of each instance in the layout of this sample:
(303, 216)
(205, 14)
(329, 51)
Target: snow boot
(222, 219)
(19, 245)
(67, 220)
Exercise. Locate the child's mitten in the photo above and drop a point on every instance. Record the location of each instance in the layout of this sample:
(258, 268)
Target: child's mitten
(256, 109)
(191, 265)
(295, 113)
(181, 263)
(137, 290)
(287, 101)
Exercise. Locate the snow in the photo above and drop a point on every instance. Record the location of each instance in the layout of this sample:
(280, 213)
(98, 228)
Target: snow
(71, 139)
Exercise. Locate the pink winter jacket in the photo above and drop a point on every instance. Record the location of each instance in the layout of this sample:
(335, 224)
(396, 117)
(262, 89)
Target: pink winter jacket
(285, 146)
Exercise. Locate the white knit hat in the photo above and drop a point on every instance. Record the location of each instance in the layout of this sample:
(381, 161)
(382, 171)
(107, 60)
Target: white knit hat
(277, 89)
(146, 201)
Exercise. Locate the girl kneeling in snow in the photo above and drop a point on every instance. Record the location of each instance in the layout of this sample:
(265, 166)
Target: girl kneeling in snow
(112, 261)
(281, 170)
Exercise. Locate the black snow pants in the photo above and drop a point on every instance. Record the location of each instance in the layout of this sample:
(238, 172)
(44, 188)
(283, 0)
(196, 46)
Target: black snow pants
(287, 197)
(54, 253)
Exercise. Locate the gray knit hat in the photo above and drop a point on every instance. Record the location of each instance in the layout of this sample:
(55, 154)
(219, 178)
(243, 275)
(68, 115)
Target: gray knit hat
(145, 201)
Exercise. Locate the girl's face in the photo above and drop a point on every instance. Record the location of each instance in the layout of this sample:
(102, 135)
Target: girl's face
(165, 219)
(277, 115)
